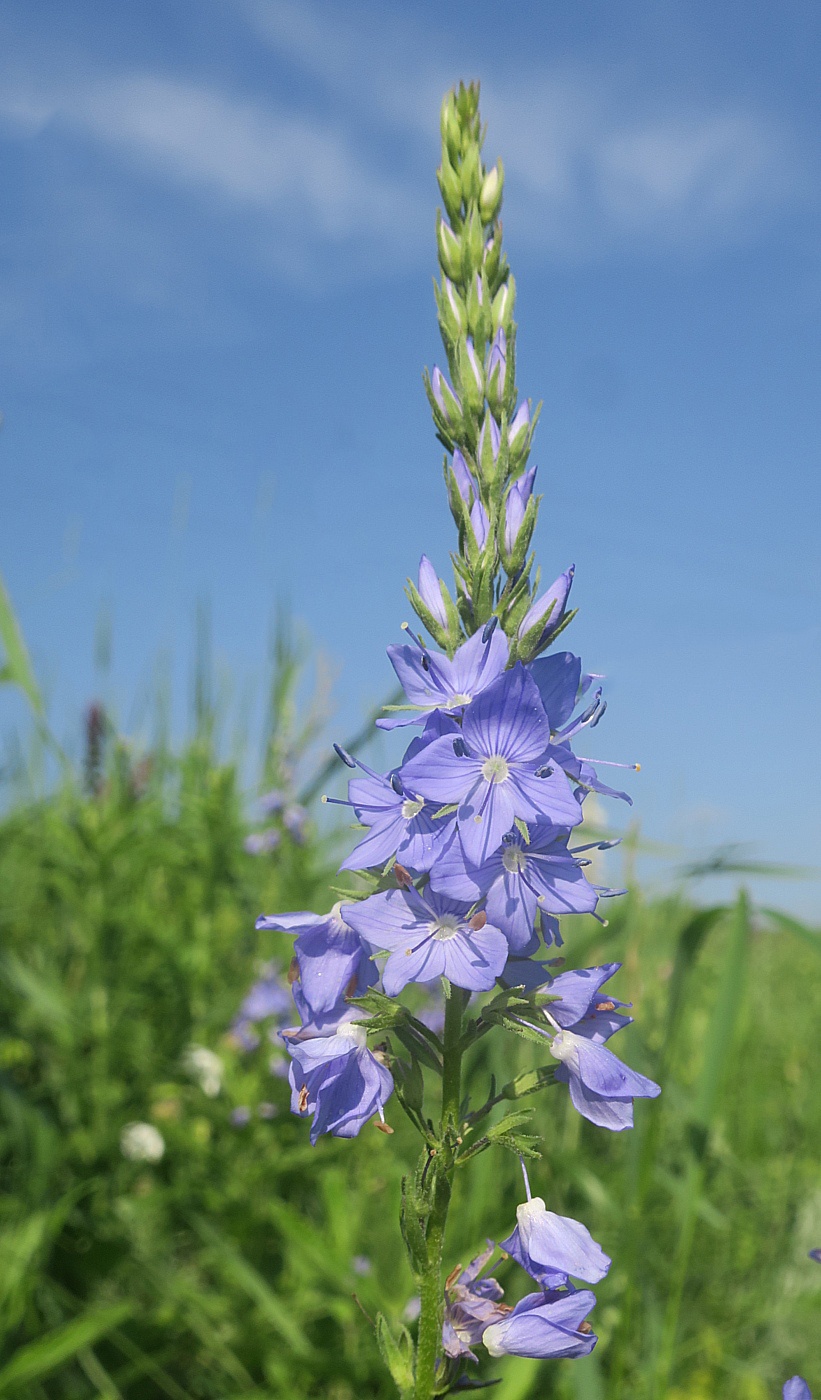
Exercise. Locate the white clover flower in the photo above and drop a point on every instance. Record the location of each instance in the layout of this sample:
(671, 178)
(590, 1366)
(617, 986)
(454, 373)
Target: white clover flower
(141, 1142)
(206, 1067)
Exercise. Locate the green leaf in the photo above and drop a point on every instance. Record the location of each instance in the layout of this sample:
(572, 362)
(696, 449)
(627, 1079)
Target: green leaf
(397, 1353)
(522, 828)
(787, 924)
(37, 1359)
(412, 1214)
(529, 1082)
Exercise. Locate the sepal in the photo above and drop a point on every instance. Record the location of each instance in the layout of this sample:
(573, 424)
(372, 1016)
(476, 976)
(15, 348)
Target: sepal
(397, 1354)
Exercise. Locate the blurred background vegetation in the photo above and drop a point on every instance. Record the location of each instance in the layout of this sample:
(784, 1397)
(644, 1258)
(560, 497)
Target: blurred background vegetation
(244, 1264)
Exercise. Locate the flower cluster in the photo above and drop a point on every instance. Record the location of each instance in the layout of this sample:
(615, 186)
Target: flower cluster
(466, 858)
(550, 1322)
(472, 831)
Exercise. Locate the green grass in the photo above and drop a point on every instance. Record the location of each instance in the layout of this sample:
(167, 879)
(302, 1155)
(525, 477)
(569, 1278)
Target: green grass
(229, 1268)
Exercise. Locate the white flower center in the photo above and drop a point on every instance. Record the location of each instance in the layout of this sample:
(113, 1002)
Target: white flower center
(563, 1045)
(355, 1033)
(458, 699)
(495, 769)
(527, 1216)
(445, 927)
(514, 859)
(411, 808)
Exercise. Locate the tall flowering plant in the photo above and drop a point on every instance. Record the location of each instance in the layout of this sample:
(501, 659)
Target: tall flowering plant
(466, 859)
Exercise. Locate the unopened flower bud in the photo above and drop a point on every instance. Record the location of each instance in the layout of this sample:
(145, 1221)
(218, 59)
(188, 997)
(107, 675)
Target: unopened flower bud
(474, 242)
(496, 371)
(464, 480)
(545, 616)
(490, 198)
(471, 174)
(450, 250)
(471, 376)
(487, 451)
(515, 507)
(450, 187)
(502, 311)
(430, 591)
(451, 127)
(479, 524)
(453, 309)
(446, 401)
(517, 433)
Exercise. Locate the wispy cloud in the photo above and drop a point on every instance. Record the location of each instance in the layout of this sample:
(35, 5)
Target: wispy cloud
(343, 175)
(594, 160)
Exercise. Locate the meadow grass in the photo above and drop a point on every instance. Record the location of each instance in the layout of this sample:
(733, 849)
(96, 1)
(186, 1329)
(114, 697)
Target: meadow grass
(246, 1263)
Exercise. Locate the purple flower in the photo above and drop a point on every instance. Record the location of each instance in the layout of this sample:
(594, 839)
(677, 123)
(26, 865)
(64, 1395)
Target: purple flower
(497, 367)
(549, 609)
(475, 369)
(796, 1389)
(240, 1117)
(446, 401)
(471, 1305)
(337, 1080)
(294, 818)
(553, 1248)
(519, 424)
(561, 686)
(528, 972)
(435, 682)
(519, 879)
(544, 1324)
(430, 591)
(815, 1254)
(267, 1111)
(273, 801)
(464, 481)
(329, 955)
(267, 998)
(491, 427)
(401, 823)
(602, 1089)
(494, 770)
(515, 507)
(427, 938)
(259, 843)
(581, 1008)
(479, 523)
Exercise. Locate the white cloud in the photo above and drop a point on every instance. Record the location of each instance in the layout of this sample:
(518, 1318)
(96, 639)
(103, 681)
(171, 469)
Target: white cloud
(594, 165)
(594, 159)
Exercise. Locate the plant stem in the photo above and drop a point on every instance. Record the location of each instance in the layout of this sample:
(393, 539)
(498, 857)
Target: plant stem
(429, 1344)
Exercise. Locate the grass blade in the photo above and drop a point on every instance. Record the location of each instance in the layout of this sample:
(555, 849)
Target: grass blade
(37, 1359)
(17, 668)
(719, 1040)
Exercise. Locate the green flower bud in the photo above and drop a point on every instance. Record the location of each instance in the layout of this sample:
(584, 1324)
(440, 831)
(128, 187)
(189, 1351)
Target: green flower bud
(473, 245)
(479, 311)
(490, 198)
(450, 250)
(450, 187)
(453, 318)
(471, 376)
(451, 128)
(503, 303)
(471, 175)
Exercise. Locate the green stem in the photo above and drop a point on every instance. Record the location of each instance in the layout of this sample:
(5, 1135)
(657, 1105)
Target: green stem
(429, 1344)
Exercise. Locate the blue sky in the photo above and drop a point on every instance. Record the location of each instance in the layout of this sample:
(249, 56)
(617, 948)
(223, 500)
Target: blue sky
(216, 305)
